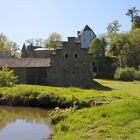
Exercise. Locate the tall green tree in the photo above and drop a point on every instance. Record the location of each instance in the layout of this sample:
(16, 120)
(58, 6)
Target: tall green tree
(136, 22)
(133, 56)
(98, 49)
(113, 27)
(54, 40)
(135, 18)
(7, 47)
(132, 12)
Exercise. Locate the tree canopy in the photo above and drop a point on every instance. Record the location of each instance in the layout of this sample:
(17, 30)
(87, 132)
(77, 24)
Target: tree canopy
(7, 47)
(54, 40)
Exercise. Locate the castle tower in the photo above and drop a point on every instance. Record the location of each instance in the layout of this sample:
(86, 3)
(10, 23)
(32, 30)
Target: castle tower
(85, 36)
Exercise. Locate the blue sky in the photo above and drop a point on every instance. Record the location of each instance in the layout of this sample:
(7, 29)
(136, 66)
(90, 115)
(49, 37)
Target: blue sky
(25, 19)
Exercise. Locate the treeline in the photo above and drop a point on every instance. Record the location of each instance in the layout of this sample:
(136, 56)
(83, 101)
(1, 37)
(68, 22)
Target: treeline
(8, 47)
(115, 49)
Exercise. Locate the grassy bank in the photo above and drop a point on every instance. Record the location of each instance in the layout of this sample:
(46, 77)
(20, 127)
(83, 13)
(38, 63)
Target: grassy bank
(116, 118)
(51, 97)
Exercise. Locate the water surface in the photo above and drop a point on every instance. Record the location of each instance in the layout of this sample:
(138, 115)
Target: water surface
(24, 123)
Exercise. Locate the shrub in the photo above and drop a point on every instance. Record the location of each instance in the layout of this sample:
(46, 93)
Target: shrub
(7, 77)
(126, 74)
(60, 114)
(137, 75)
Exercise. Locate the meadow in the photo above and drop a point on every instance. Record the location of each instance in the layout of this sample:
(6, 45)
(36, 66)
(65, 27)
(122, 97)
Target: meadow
(109, 111)
(118, 120)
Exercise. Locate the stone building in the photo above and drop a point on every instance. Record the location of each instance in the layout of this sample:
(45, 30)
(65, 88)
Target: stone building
(70, 65)
(28, 70)
(36, 51)
(85, 36)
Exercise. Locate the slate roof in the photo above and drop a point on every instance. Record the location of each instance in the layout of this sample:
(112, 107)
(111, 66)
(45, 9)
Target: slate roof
(24, 62)
(86, 28)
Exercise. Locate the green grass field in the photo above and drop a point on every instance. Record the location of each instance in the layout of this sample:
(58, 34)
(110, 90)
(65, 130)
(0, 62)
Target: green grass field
(119, 120)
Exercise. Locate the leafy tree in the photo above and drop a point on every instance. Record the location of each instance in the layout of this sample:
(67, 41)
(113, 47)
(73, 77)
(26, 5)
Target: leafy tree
(113, 37)
(135, 18)
(136, 22)
(54, 40)
(35, 41)
(133, 56)
(126, 48)
(98, 49)
(132, 12)
(113, 27)
(7, 47)
(7, 77)
(126, 74)
(14, 49)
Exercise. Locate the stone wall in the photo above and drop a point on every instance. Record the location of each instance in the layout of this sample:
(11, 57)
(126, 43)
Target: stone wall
(70, 66)
(35, 76)
(22, 75)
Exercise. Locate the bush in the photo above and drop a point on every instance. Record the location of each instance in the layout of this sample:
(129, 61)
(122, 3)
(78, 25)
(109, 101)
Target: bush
(126, 74)
(7, 77)
(137, 75)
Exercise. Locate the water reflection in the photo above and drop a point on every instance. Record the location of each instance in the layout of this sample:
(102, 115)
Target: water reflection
(24, 123)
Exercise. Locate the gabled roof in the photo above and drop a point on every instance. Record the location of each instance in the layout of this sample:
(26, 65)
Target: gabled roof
(24, 62)
(86, 28)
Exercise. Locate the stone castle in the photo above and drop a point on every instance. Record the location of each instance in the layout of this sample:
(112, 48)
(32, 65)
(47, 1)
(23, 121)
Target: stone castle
(70, 65)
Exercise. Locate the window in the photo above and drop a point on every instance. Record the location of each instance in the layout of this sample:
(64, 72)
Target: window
(75, 56)
(66, 55)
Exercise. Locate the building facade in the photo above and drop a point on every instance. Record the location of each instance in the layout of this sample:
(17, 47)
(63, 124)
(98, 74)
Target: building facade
(86, 35)
(70, 65)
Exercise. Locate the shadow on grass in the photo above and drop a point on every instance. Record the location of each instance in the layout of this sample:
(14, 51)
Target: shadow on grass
(96, 85)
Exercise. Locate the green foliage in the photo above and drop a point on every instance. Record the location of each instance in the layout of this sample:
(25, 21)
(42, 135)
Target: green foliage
(126, 74)
(113, 27)
(7, 47)
(126, 48)
(135, 18)
(60, 114)
(54, 40)
(7, 77)
(136, 22)
(132, 12)
(28, 97)
(98, 47)
(137, 75)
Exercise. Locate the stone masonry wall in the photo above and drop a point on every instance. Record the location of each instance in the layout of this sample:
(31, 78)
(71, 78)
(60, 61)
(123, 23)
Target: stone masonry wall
(70, 66)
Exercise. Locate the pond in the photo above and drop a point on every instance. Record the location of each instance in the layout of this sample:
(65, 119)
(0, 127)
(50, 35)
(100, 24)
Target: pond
(19, 123)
